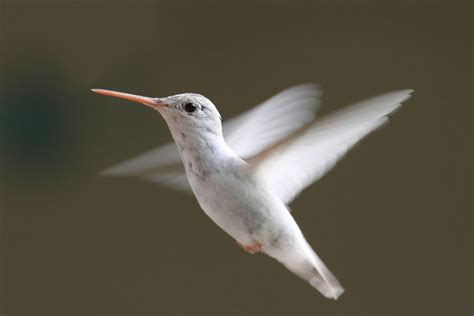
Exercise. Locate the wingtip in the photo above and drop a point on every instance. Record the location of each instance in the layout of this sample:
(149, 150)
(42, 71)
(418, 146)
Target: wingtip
(398, 96)
(407, 93)
(109, 172)
(338, 293)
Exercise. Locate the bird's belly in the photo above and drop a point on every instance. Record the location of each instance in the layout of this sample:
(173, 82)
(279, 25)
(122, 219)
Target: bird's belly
(237, 205)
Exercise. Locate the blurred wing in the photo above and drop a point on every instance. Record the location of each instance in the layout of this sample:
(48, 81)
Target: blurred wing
(176, 180)
(247, 134)
(303, 158)
(147, 163)
(257, 129)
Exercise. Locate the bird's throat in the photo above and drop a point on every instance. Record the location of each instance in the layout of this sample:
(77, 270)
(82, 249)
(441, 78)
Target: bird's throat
(205, 154)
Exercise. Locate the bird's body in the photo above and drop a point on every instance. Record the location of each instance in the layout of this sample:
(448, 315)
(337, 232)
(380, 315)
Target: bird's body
(226, 193)
(248, 196)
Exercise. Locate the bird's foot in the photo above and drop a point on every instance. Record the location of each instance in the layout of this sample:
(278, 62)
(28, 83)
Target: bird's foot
(252, 248)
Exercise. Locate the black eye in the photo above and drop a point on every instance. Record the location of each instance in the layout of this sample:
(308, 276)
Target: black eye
(190, 107)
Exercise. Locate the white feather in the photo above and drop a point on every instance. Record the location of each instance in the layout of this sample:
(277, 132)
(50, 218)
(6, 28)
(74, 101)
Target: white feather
(147, 162)
(295, 163)
(257, 129)
(247, 134)
(176, 180)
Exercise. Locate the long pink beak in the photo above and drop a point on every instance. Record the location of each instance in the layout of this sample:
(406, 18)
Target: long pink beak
(151, 102)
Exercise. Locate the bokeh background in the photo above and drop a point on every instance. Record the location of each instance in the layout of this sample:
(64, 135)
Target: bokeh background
(392, 220)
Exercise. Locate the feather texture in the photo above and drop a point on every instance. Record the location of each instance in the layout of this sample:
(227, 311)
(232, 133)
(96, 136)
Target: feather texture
(247, 134)
(301, 159)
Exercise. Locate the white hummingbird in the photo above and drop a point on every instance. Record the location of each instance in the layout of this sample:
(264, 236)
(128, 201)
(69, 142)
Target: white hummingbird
(245, 172)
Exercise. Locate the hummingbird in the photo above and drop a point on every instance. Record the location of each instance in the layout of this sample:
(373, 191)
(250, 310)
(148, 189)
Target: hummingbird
(246, 171)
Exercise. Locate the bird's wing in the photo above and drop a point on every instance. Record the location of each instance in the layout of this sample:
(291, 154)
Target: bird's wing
(257, 129)
(301, 159)
(173, 179)
(147, 163)
(247, 134)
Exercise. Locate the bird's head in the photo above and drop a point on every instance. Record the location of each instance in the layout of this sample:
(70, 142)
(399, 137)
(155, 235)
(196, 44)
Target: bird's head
(189, 113)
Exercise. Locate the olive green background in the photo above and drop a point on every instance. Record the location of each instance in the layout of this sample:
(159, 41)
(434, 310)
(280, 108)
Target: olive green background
(392, 220)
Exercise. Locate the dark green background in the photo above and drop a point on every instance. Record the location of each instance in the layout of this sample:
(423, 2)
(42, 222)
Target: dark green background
(392, 221)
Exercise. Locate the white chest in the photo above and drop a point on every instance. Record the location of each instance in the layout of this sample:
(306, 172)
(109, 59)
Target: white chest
(226, 193)
(232, 201)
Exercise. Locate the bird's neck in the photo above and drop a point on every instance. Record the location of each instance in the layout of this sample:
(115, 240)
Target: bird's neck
(204, 153)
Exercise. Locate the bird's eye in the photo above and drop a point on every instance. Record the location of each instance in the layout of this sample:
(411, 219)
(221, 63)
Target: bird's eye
(190, 107)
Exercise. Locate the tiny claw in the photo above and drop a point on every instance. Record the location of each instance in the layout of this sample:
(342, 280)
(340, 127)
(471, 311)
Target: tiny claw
(252, 248)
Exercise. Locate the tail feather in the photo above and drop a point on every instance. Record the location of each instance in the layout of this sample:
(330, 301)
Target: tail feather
(322, 279)
(306, 264)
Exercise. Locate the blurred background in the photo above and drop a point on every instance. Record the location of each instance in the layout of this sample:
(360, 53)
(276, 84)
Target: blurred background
(392, 220)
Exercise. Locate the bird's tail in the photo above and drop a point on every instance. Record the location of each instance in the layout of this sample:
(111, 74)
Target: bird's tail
(306, 264)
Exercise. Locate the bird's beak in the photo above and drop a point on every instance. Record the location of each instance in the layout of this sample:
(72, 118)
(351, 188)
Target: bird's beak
(155, 103)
